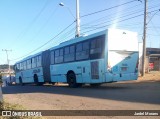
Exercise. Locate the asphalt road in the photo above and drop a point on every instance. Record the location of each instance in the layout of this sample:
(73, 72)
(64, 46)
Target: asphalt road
(126, 95)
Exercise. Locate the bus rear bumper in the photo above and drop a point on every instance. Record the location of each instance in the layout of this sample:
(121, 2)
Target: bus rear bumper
(125, 77)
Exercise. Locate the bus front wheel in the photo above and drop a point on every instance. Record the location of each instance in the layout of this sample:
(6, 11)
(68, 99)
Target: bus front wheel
(71, 80)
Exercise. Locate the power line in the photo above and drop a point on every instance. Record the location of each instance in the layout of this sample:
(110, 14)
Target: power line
(113, 23)
(96, 12)
(131, 13)
(116, 22)
(100, 19)
(44, 43)
(108, 8)
(43, 26)
(62, 38)
(32, 22)
(86, 31)
(153, 16)
(114, 19)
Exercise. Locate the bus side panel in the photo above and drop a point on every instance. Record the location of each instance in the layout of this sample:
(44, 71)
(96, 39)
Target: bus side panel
(86, 71)
(59, 72)
(27, 75)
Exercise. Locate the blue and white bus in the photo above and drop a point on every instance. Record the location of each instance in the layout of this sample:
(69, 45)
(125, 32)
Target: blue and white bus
(107, 56)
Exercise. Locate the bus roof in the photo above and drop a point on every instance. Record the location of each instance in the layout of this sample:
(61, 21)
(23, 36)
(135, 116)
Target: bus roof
(78, 39)
(74, 40)
(26, 58)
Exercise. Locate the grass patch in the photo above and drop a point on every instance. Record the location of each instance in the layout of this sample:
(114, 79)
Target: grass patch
(7, 106)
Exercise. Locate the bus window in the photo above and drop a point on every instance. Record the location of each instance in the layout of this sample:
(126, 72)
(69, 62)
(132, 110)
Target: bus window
(59, 56)
(24, 65)
(69, 53)
(33, 62)
(86, 45)
(66, 50)
(82, 51)
(79, 47)
(17, 67)
(97, 48)
(93, 44)
(39, 61)
(52, 57)
(29, 64)
(21, 66)
(72, 49)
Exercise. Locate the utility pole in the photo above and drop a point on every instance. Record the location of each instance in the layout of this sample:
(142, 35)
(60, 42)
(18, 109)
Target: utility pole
(77, 19)
(144, 38)
(7, 60)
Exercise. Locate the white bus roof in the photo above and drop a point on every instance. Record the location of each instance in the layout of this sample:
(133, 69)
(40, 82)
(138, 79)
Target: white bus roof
(81, 38)
(26, 58)
(75, 40)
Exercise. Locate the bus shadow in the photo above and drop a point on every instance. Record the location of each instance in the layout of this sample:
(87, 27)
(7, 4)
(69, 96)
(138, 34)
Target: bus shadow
(130, 92)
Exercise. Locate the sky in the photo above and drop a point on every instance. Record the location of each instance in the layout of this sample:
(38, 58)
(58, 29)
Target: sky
(31, 26)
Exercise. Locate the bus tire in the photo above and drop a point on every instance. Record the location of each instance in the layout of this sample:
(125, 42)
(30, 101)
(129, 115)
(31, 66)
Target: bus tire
(20, 81)
(71, 80)
(36, 80)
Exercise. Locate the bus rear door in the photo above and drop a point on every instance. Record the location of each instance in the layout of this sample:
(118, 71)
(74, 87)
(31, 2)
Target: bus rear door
(97, 71)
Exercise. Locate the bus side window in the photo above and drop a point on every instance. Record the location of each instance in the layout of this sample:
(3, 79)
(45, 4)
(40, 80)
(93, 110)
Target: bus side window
(97, 48)
(17, 68)
(72, 53)
(82, 51)
(21, 66)
(66, 50)
(79, 47)
(24, 65)
(52, 57)
(59, 56)
(33, 62)
(28, 64)
(69, 53)
(38, 61)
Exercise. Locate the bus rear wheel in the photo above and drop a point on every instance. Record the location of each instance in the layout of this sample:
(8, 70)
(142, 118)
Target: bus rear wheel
(71, 80)
(36, 81)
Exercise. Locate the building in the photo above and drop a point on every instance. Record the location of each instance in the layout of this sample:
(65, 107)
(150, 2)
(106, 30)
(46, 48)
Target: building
(153, 57)
(152, 61)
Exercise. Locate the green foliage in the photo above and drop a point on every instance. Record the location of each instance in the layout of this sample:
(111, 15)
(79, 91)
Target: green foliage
(7, 106)
(5, 66)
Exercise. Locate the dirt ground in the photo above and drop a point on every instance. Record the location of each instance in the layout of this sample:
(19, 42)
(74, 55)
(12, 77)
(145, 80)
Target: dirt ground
(141, 94)
(153, 75)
